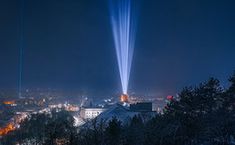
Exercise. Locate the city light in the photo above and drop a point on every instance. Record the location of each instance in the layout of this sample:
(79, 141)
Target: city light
(124, 29)
(10, 127)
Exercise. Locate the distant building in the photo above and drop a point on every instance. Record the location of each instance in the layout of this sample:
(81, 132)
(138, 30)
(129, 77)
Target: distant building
(71, 108)
(124, 98)
(123, 114)
(90, 113)
(142, 106)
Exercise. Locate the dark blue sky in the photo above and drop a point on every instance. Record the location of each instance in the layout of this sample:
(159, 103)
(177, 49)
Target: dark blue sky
(68, 44)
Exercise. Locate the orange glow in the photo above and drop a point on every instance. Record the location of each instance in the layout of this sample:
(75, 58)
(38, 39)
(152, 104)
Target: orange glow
(9, 102)
(10, 127)
(124, 98)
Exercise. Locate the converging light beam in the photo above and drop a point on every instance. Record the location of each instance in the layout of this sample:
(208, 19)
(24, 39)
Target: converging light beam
(124, 29)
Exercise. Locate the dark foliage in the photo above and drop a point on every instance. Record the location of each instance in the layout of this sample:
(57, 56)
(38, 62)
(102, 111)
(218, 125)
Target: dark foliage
(43, 129)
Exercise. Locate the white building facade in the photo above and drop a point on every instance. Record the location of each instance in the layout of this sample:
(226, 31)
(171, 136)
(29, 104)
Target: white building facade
(91, 113)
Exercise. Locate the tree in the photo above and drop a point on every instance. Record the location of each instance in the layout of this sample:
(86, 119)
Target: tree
(92, 133)
(188, 116)
(113, 132)
(59, 128)
(44, 129)
(134, 132)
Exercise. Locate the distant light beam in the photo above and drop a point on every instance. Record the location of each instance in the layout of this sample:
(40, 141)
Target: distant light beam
(21, 49)
(124, 28)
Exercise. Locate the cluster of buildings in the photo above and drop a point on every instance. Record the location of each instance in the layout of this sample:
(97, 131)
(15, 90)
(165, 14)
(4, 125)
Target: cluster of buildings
(14, 111)
(87, 113)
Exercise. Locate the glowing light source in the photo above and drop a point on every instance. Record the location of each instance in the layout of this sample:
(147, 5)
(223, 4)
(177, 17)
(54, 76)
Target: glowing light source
(9, 102)
(10, 127)
(124, 29)
(170, 98)
(124, 98)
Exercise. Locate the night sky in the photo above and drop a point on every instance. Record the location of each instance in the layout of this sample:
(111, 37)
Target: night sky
(68, 45)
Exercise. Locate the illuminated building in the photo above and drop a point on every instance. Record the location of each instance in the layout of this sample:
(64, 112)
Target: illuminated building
(71, 108)
(90, 113)
(124, 98)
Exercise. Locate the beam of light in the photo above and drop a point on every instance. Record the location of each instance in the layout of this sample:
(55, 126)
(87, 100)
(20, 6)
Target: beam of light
(21, 52)
(124, 28)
